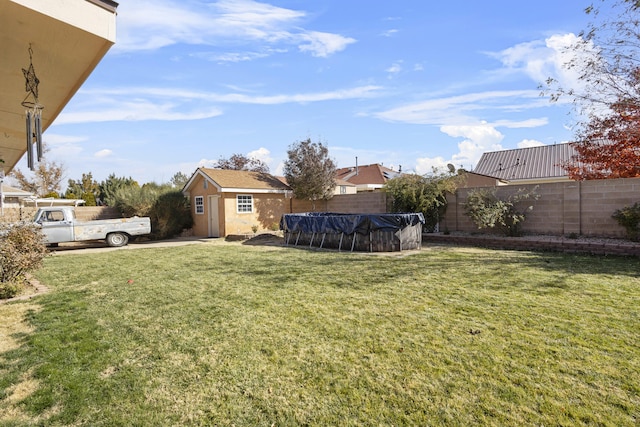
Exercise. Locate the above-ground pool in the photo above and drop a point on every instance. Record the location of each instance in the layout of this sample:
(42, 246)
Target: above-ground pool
(359, 232)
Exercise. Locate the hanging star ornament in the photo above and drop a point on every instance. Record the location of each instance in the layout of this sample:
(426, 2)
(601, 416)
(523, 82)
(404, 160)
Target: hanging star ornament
(31, 81)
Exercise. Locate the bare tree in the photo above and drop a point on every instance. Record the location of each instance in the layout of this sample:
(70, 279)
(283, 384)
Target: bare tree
(44, 181)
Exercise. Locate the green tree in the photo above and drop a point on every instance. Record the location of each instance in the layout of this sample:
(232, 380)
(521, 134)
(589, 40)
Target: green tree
(111, 185)
(170, 215)
(86, 188)
(309, 171)
(179, 180)
(240, 162)
(167, 207)
(422, 193)
(134, 200)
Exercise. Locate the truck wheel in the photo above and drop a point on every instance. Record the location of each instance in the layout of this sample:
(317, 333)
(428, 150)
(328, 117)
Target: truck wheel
(117, 239)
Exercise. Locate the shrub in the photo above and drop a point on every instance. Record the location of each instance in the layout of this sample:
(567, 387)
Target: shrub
(486, 210)
(170, 214)
(22, 249)
(629, 218)
(89, 199)
(422, 193)
(167, 207)
(133, 200)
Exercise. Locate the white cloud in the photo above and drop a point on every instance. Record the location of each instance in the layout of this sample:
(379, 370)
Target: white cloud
(528, 123)
(543, 59)
(136, 110)
(390, 33)
(323, 44)
(57, 139)
(455, 110)
(103, 153)
(230, 56)
(426, 165)
(260, 154)
(140, 103)
(153, 24)
(206, 163)
(528, 143)
(395, 68)
(477, 140)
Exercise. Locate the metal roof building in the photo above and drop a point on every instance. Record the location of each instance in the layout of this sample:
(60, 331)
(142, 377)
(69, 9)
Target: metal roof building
(527, 165)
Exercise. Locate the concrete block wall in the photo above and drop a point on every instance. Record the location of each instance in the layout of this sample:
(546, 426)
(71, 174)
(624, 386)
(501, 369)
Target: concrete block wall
(89, 213)
(563, 208)
(15, 214)
(83, 213)
(367, 202)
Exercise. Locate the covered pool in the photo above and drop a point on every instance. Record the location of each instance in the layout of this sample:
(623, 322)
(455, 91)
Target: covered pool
(354, 232)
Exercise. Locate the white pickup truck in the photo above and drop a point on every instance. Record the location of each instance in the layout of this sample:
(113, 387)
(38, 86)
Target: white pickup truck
(59, 224)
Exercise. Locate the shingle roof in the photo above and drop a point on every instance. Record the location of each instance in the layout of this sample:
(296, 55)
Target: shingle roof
(526, 163)
(367, 174)
(234, 179)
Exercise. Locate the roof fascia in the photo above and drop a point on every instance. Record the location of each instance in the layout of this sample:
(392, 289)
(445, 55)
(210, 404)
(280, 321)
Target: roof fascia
(199, 172)
(252, 190)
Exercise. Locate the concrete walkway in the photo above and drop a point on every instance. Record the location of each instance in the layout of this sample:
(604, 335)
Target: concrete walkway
(95, 247)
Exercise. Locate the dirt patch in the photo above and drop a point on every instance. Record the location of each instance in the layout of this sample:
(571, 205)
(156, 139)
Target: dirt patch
(267, 239)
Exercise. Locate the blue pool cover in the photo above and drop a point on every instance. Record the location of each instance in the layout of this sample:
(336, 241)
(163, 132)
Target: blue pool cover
(327, 222)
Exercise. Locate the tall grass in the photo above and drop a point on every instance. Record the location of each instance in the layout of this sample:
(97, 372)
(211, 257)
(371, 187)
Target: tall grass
(226, 334)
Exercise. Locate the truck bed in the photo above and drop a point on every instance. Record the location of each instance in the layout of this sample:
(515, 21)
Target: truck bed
(98, 229)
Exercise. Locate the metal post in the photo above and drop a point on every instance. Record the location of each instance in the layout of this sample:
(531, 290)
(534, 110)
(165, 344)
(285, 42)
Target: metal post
(1, 193)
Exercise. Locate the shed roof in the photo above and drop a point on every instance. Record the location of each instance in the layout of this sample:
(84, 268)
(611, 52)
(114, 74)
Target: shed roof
(235, 180)
(533, 163)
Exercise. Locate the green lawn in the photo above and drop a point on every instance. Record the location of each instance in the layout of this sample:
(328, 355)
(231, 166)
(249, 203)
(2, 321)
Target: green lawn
(232, 334)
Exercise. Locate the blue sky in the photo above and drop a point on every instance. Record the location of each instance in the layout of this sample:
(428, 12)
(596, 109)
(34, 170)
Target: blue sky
(408, 83)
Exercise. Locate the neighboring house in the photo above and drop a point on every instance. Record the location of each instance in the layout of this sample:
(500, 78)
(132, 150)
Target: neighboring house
(225, 202)
(367, 177)
(342, 186)
(534, 165)
(12, 198)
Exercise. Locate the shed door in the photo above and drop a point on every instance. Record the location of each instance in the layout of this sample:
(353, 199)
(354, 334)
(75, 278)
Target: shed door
(214, 220)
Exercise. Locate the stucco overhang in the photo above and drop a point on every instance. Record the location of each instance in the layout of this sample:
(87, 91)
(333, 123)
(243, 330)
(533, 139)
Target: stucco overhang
(68, 39)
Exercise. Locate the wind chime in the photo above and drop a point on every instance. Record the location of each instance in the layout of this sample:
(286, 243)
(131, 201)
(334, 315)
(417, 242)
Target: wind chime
(33, 113)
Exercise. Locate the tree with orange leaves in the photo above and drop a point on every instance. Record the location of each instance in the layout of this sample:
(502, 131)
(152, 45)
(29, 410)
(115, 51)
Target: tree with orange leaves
(609, 145)
(607, 57)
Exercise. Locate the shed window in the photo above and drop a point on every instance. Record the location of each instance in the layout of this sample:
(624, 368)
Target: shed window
(199, 204)
(343, 189)
(244, 203)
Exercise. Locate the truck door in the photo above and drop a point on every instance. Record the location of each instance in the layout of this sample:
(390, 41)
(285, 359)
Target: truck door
(55, 227)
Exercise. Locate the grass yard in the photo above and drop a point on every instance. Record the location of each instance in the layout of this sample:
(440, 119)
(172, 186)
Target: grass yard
(231, 334)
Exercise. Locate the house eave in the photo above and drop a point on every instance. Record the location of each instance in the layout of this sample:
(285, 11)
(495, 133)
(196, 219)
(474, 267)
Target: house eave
(532, 181)
(252, 190)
